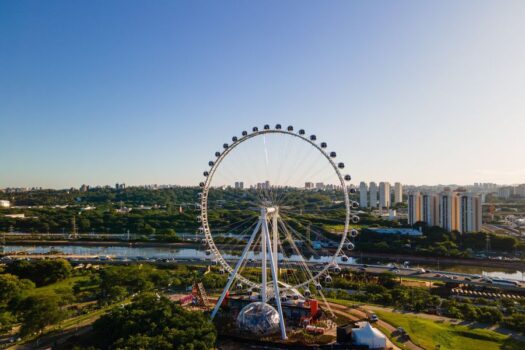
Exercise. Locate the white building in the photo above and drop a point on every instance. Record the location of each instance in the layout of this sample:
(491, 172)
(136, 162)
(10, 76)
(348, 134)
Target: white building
(505, 192)
(398, 192)
(430, 209)
(449, 208)
(373, 194)
(471, 213)
(263, 185)
(384, 195)
(319, 185)
(5, 203)
(520, 190)
(308, 185)
(414, 207)
(363, 195)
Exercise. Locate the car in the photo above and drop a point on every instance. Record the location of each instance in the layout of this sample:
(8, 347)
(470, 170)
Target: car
(373, 318)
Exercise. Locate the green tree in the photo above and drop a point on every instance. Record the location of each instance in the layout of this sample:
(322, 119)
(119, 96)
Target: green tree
(116, 281)
(7, 321)
(154, 322)
(41, 272)
(39, 311)
(12, 288)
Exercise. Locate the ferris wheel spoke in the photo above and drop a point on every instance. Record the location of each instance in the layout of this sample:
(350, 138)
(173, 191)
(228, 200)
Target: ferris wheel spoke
(297, 251)
(233, 226)
(284, 154)
(300, 161)
(304, 239)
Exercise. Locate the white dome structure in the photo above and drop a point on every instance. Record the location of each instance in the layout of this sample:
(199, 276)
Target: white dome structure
(258, 318)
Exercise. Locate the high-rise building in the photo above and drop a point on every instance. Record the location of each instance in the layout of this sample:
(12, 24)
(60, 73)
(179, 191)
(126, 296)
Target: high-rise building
(363, 195)
(398, 192)
(505, 192)
(430, 209)
(449, 210)
(308, 185)
(239, 185)
(471, 213)
(520, 190)
(319, 185)
(384, 195)
(373, 195)
(414, 208)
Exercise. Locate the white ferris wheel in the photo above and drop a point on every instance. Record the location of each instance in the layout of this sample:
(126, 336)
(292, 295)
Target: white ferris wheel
(274, 202)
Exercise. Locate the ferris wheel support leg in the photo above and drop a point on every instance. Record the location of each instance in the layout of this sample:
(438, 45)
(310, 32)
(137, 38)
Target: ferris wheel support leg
(264, 260)
(276, 292)
(236, 270)
(275, 238)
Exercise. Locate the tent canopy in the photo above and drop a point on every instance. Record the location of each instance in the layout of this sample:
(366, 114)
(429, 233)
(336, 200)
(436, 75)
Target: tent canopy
(367, 335)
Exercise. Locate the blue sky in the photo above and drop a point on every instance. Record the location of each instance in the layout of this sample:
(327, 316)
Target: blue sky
(421, 92)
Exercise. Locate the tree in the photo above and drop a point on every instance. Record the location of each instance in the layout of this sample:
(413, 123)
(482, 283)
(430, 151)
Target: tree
(388, 279)
(130, 279)
(12, 288)
(41, 272)
(39, 311)
(154, 322)
(516, 321)
(7, 321)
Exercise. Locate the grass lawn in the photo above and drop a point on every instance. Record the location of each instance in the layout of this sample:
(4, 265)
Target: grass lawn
(429, 333)
(51, 288)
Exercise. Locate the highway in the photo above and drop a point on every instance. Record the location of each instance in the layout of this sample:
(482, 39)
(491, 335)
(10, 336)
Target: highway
(433, 275)
(409, 272)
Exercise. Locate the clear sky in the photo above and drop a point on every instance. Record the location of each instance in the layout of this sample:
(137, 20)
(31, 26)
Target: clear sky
(421, 92)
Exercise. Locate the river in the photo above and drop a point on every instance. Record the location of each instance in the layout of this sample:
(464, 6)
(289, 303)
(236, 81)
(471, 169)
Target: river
(200, 254)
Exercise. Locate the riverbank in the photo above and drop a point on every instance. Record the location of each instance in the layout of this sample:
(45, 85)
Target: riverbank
(398, 258)
(103, 243)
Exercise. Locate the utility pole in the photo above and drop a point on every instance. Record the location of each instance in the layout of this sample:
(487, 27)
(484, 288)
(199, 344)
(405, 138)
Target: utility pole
(74, 233)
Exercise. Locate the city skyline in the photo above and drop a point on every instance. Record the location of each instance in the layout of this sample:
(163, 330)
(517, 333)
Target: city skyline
(494, 188)
(144, 93)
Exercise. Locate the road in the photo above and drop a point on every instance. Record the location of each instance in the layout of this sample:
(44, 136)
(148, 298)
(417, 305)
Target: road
(432, 275)
(429, 275)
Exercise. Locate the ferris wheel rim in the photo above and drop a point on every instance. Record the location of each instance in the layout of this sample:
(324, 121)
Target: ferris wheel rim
(204, 206)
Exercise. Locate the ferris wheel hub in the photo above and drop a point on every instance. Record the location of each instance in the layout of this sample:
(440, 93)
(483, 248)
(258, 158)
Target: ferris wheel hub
(269, 210)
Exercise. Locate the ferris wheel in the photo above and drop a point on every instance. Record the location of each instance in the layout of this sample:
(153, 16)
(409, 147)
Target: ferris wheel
(277, 196)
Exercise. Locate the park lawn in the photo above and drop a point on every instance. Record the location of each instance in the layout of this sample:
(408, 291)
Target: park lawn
(429, 333)
(51, 288)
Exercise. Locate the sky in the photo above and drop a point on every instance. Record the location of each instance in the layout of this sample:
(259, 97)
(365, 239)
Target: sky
(144, 92)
